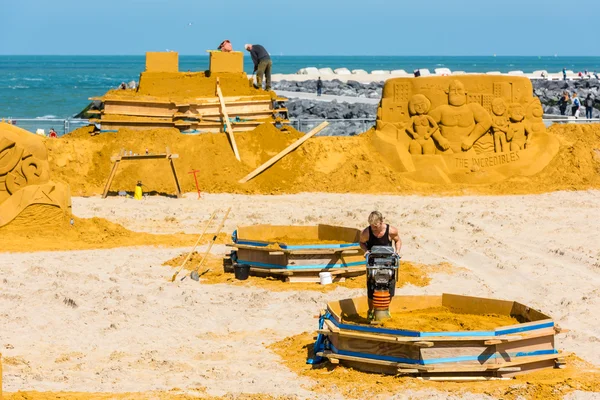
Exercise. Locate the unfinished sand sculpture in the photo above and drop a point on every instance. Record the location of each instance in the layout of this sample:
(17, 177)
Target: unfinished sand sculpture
(188, 101)
(472, 129)
(299, 253)
(26, 191)
(488, 353)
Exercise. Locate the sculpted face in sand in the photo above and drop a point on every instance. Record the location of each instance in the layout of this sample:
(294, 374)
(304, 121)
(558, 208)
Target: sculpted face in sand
(460, 123)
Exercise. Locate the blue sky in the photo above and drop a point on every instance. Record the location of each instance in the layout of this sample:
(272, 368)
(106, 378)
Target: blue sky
(301, 27)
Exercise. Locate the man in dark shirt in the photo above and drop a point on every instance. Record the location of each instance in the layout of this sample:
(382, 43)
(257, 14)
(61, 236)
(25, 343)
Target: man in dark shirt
(262, 64)
(379, 234)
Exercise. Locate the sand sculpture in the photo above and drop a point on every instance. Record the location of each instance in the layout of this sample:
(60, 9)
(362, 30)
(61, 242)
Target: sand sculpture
(26, 191)
(472, 129)
(169, 98)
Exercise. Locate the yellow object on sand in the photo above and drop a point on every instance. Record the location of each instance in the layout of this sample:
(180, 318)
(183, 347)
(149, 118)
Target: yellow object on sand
(138, 193)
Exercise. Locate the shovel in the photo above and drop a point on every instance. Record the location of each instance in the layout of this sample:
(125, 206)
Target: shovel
(195, 245)
(194, 275)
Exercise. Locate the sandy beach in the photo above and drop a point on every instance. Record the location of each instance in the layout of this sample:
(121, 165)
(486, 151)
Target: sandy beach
(111, 321)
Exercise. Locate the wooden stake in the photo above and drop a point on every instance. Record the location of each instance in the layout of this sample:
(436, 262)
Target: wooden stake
(227, 122)
(284, 152)
(110, 178)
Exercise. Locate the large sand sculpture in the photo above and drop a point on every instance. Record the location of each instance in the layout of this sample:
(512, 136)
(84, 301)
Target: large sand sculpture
(26, 192)
(474, 129)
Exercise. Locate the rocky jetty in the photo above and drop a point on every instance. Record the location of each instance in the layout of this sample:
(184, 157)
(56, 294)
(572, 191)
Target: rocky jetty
(548, 91)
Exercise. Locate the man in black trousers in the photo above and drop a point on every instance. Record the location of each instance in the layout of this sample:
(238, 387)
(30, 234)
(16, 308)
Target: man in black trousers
(262, 64)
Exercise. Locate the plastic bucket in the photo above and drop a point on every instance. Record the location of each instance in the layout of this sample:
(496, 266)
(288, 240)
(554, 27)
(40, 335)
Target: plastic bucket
(325, 278)
(241, 271)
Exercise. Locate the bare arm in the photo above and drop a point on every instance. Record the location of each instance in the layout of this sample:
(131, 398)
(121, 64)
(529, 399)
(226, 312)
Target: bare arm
(364, 238)
(396, 241)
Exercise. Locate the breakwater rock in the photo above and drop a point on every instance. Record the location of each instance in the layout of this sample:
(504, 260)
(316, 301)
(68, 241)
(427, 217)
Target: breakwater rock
(548, 92)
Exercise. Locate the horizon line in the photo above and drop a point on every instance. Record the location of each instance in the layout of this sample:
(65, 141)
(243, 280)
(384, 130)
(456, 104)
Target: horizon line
(306, 55)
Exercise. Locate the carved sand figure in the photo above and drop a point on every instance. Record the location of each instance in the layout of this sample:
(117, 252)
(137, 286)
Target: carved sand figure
(500, 125)
(24, 178)
(422, 128)
(461, 123)
(516, 133)
(534, 125)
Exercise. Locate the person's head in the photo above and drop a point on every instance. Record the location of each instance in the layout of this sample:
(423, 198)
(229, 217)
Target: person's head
(589, 96)
(376, 220)
(516, 112)
(248, 47)
(498, 106)
(456, 94)
(574, 94)
(418, 104)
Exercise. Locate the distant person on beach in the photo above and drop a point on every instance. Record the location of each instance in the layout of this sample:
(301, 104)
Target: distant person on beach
(575, 108)
(319, 86)
(262, 64)
(589, 106)
(564, 71)
(225, 46)
(52, 133)
(563, 102)
(123, 86)
(595, 75)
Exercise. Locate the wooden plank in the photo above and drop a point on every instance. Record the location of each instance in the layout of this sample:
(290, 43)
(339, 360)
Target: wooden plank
(327, 353)
(526, 360)
(271, 271)
(284, 152)
(229, 129)
(177, 186)
(461, 378)
(312, 279)
(271, 248)
(110, 179)
(331, 326)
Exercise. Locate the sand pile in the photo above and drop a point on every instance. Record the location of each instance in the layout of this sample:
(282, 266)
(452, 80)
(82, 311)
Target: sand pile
(322, 164)
(411, 274)
(552, 384)
(95, 233)
(438, 319)
(178, 86)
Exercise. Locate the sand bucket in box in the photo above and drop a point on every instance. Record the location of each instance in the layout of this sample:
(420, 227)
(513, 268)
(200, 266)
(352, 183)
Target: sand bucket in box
(325, 278)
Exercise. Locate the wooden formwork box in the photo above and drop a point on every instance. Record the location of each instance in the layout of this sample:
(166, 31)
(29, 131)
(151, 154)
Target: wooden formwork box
(499, 353)
(300, 263)
(204, 114)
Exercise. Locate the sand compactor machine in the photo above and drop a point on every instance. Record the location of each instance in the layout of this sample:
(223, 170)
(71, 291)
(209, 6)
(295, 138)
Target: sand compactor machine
(382, 274)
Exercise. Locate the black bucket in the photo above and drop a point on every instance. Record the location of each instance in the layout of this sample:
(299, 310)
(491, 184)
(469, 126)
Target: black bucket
(241, 271)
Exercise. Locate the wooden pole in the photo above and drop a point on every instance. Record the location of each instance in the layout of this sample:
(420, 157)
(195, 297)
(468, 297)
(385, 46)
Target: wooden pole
(110, 178)
(284, 152)
(195, 245)
(227, 122)
(194, 275)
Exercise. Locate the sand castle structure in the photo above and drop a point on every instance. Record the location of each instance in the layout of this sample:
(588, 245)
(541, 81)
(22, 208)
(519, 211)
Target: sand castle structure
(217, 100)
(27, 196)
(467, 129)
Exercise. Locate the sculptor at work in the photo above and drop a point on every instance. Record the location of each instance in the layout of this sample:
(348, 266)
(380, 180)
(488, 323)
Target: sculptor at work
(379, 233)
(262, 64)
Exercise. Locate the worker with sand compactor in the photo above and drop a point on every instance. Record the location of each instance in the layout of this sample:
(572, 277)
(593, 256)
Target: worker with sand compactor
(381, 243)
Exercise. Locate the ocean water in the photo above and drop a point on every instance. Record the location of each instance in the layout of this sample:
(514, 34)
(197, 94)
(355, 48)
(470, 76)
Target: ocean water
(60, 86)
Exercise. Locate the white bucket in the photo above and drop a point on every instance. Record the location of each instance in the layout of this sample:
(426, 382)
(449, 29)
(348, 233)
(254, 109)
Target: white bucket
(325, 278)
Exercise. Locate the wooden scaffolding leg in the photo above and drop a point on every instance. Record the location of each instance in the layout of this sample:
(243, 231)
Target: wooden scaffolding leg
(110, 179)
(227, 122)
(177, 186)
